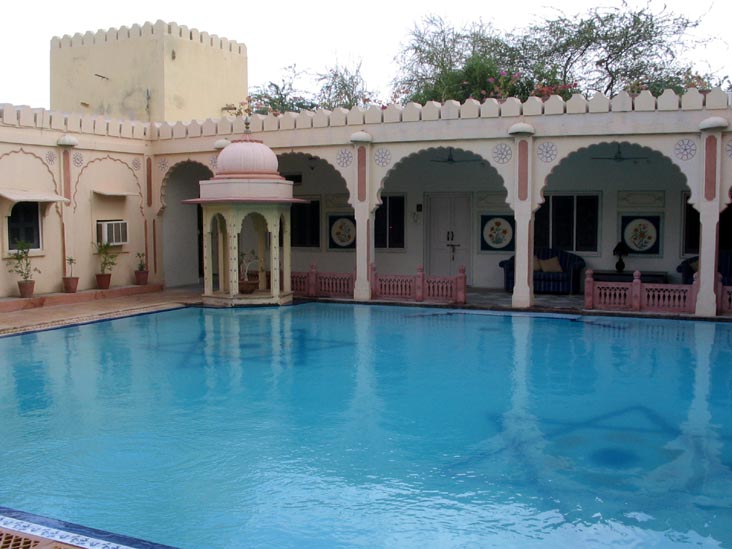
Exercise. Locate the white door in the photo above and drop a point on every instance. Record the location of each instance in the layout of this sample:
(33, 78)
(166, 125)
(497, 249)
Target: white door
(448, 234)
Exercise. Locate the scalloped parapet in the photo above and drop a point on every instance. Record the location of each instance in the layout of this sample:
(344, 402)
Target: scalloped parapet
(22, 116)
(147, 30)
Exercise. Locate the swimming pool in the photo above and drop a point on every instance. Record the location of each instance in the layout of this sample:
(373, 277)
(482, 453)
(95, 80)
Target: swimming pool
(337, 425)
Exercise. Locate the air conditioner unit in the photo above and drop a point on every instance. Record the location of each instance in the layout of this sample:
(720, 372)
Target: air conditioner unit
(112, 232)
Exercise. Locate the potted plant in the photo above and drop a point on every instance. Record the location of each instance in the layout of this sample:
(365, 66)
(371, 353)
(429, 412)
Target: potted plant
(247, 286)
(20, 264)
(107, 260)
(141, 273)
(71, 282)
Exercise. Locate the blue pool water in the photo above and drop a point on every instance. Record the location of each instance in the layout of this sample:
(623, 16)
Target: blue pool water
(364, 426)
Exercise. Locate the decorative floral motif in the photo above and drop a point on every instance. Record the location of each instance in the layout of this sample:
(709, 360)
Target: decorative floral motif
(685, 149)
(498, 232)
(382, 157)
(78, 159)
(136, 164)
(546, 152)
(502, 153)
(51, 158)
(344, 158)
(640, 234)
(163, 164)
(212, 160)
(729, 149)
(343, 232)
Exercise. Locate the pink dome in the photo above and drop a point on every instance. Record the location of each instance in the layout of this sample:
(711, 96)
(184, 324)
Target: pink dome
(247, 157)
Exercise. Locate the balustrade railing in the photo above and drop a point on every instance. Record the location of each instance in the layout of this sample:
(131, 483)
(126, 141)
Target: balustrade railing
(639, 296)
(447, 289)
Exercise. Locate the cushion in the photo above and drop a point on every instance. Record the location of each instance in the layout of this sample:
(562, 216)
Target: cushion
(551, 265)
(694, 265)
(537, 265)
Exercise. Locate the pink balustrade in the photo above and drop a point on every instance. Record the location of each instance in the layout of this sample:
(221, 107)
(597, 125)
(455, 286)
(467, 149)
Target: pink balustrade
(639, 296)
(316, 284)
(724, 297)
(448, 289)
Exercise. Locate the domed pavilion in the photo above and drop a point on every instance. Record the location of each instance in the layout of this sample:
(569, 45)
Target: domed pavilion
(246, 221)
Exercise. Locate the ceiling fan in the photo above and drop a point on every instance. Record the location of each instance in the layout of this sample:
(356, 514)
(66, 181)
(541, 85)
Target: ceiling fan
(452, 160)
(619, 157)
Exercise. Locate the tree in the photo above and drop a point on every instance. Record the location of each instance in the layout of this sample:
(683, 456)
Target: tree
(342, 87)
(282, 97)
(611, 49)
(605, 49)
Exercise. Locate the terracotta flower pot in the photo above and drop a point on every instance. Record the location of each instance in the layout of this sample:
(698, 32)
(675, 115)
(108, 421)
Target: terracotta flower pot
(141, 277)
(25, 287)
(104, 280)
(248, 286)
(71, 283)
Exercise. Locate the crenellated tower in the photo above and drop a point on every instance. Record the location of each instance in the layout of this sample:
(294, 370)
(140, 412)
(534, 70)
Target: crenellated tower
(150, 72)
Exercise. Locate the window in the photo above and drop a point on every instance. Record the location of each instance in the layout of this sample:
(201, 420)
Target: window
(305, 219)
(24, 224)
(569, 222)
(389, 223)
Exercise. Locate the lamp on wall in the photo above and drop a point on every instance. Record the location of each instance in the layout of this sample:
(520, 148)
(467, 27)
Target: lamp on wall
(621, 249)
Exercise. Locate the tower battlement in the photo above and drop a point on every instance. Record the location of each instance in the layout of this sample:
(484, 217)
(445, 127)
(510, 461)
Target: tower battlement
(147, 30)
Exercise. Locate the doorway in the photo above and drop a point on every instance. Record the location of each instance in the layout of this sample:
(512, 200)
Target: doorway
(448, 234)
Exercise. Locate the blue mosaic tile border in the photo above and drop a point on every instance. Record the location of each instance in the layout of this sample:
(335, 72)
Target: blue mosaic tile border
(67, 532)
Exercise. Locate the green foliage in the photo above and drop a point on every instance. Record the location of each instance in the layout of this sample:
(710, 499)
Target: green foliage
(70, 261)
(141, 264)
(280, 98)
(107, 259)
(342, 86)
(20, 261)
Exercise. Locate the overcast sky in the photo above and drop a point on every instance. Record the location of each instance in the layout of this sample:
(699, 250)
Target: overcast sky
(312, 35)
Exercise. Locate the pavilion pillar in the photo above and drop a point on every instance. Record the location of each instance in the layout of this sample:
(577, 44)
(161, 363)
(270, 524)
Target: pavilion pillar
(207, 258)
(523, 288)
(232, 257)
(287, 252)
(222, 256)
(274, 254)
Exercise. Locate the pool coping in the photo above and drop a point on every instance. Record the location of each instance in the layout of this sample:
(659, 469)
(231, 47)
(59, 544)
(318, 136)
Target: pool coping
(69, 532)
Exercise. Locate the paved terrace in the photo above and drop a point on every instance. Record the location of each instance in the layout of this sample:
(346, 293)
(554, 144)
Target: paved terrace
(82, 307)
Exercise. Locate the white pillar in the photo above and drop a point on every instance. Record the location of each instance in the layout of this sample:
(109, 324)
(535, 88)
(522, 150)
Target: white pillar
(364, 250)
(207, 257)
(274, 254)
(233, 257)
(287, 251)
(523, 288)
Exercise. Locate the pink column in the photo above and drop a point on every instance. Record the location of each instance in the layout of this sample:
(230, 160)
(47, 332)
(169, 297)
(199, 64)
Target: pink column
(635, 290)
(589, 288)
(312, 281)
(374, 280)
(461, 285)
(419, 284)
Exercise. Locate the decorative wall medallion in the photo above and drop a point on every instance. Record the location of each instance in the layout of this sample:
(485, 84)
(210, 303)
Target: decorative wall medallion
(163, 164)
(78, 159)
(685, 149)
(212, 160)
(502, 153)
(641, 234)
(497, 233)
(729, 148)
(136, 164)
(382, 157)
(342, 232)
(50, 158)
(546, 152)
(344, 158)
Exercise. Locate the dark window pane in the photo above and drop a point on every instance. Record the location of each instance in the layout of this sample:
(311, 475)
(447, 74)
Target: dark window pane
(725, 229)
(691, 230)
(396, 221)
(24, 224)
(587, 223)
(380, 224)
(563, 222)
(305, 219)
(541, 225)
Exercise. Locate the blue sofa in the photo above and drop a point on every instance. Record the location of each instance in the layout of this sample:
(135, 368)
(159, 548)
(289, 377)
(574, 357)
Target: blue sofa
(566, 282)
(724, 266)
